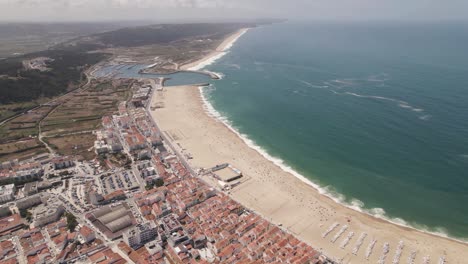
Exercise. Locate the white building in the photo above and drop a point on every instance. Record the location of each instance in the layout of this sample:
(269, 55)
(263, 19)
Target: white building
(29, 202)
(51, 214)
(29, 174)
(7, 193)
(114, 145)
(140, 235)
(100, 147)
(63, 163)
(146, 172)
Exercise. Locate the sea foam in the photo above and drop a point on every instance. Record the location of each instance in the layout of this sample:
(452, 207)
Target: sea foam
(208, 61)
(327, 191)
(203, 64)
(336, 86)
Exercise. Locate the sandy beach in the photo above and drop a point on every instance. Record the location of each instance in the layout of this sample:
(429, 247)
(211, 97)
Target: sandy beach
(215, 54)
(339, 232)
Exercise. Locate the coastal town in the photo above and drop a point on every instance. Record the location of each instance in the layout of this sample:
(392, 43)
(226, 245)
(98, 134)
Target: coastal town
(130, 167)
(138, 202)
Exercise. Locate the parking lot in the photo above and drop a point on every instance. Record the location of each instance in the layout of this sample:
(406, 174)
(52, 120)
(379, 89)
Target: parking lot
(123, 180)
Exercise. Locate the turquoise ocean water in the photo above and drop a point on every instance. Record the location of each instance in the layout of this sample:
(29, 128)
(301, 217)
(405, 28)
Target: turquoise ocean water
(377, 115)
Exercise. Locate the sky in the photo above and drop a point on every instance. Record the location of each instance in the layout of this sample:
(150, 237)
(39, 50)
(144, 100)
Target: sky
(218, 10)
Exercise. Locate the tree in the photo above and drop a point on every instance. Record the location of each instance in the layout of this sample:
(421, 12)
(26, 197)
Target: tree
(64, 173)
(159, 182)
(28, 216)
(24, 213)
(71, 222)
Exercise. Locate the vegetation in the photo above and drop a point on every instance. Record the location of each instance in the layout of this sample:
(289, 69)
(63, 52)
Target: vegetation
(73, 56)
(157, 183)
(67, 125)
(21, 85)
(9, 110)
(30, 37)
(20, 149)
(25, 213)
(163, 34)
(64, 173)
(79, 144)
(119, 159)
(71, 222)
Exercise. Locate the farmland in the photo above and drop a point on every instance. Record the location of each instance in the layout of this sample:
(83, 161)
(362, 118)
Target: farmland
(66, 123)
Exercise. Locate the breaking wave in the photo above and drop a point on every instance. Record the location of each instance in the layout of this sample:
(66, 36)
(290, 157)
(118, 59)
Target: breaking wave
(212, 59)
(336, 87)
(400, 103)
(328, 191)
(208, 61)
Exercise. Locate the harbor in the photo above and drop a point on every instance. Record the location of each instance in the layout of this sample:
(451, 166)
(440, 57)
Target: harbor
(136, 71)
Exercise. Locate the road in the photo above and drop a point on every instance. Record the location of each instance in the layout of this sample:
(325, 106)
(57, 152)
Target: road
(40, 136)
(166, 140)
(88, 78)
(82, 221)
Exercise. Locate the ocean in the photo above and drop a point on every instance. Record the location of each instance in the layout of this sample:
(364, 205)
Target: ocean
(375, 115)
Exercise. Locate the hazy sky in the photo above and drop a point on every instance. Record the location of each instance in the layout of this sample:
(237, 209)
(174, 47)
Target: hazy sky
(183, 10)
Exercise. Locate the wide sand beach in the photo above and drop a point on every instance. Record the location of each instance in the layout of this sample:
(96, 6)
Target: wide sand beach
(215, 54)
(338, 231)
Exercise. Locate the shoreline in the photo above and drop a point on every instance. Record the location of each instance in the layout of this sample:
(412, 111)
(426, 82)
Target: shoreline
(213, 56)
(212, 112)
(222, 50)
(281, 197)
(195, 96)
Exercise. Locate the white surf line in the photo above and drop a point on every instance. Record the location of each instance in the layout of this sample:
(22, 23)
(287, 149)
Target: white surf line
(385, 250)
(217, 74)
(370, 248)
(400, 103)
(210, 110)
(426, 260)
(442, 260)
(342, 230)
(396, 258)
(425, 117)
(154, 64)
(346, 240)
(229, 46)
(210, 60)
(412, 257)
(330, 229)
(359, 243)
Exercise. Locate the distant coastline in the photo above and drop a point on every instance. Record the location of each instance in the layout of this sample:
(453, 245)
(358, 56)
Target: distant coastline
(198, 65)
(215, 55)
